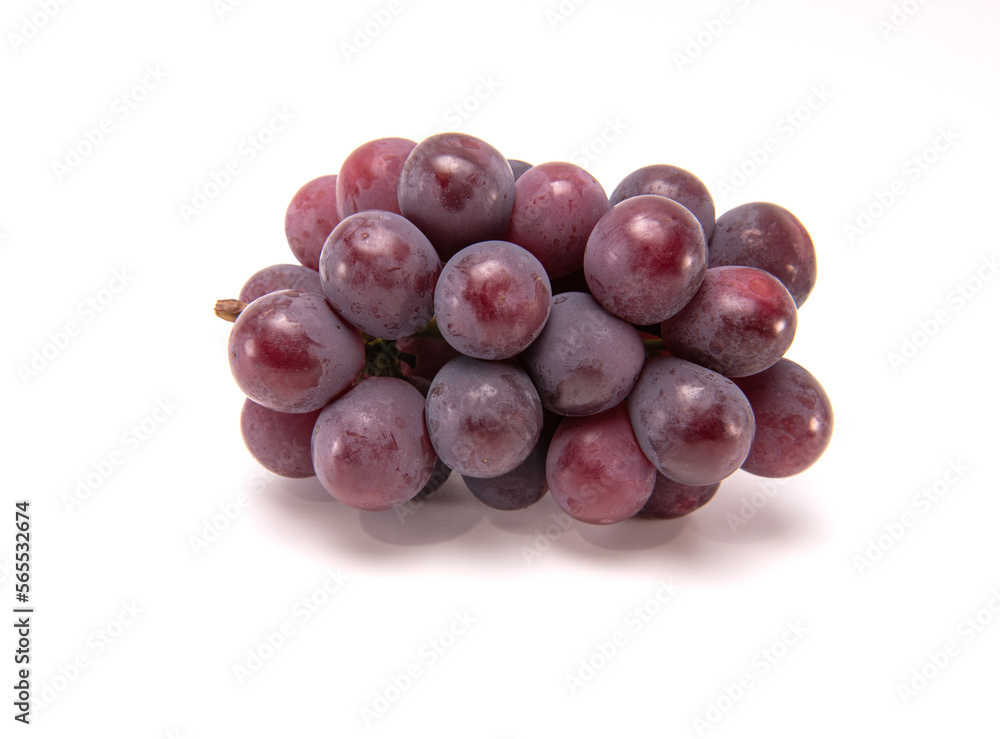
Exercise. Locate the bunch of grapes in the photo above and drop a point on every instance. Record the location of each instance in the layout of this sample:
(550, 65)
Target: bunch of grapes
(458, 311)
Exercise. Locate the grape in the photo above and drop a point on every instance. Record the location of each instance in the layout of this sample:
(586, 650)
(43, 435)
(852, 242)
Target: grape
(310, 218)
(556, 206)
(523, 486)
(674, 499)
(379, 272)
(694, 424)
(370, 446)
(740, 323)
(458, 190)
(280, 277)
(279, 441)
(645, 259)
(766, 236)
(369, 177)
(518, 167)
(290, 352)
(794, 420)
(674, 183)
(492, 300)
(596, 471)
(432, 354)
(585, 360)
(483, 417)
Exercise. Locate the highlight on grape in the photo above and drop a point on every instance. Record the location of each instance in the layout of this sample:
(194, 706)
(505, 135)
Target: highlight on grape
(456, 310)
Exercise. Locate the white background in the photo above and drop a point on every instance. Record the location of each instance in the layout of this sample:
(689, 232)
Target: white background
(599, 83)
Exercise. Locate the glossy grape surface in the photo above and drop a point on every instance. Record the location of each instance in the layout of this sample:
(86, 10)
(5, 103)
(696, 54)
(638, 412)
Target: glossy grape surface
(740, 322)
(556, 206)
(310, 218)
(694, 424)
(674, 183)
(645, 259)
(279, 441)
(370, 446)
(585, 360)
(290, 352)
(280, 277)
(596, 471)
(458, 190)
(484, 418)
(766, 236)
(379, 272)
(492, 300)
(794, 420)
(674, 499)
(369, 177)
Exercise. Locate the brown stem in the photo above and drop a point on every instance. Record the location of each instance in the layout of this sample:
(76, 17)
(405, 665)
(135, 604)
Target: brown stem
(229, 310)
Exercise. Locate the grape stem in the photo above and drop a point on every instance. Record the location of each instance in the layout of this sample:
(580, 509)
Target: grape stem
(229, 310)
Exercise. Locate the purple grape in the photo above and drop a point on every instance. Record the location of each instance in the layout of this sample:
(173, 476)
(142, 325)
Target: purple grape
(279, 441)
(483, 417)
(556, 205)
(523, 486)
(458, 190)
(645, 259)
(290, 352)
(674, 499)
(585, 360)
(280, 277)
(741, 321)
(694, 424)
(794, 420)
(310, 218)
(518, 167)
(432, 354)
(379, 272)
(492, 300)
(674, 183)
(370, 446)
(596, 471)
(766, 236)
(369, 177)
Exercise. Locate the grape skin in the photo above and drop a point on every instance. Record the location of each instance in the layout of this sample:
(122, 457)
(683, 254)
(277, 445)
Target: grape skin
(280, 277)
(379, 272)
(370, 447)
(290, 352)
(369, 177)
(794, 420)
(483, 418)
(492, 300)
(280, 442)
(671, 182)
(518, 167)
(585, 360)
(556, 206)
(458, 190)
(595, 469)
(766, 236)
(432, 354)
(695, 425)
(741, 321)
(645, 259)
(310, 217)
(673, 499)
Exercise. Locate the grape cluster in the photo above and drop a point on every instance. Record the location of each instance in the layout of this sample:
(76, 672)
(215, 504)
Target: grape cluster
(528, 332)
